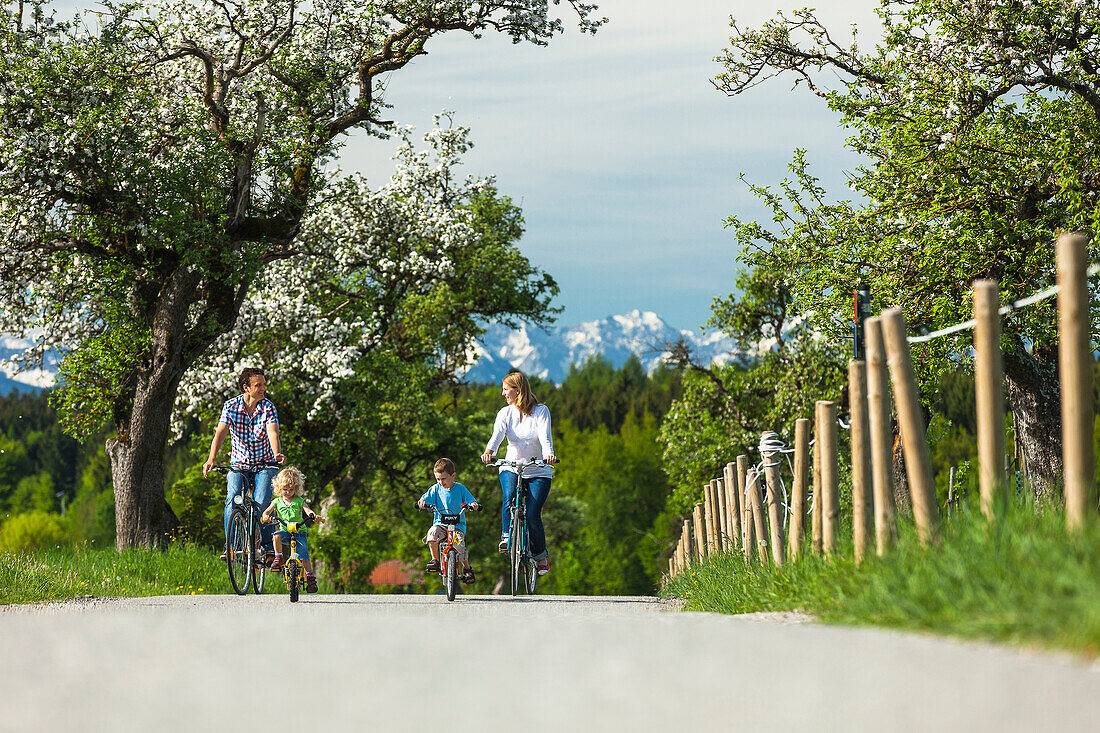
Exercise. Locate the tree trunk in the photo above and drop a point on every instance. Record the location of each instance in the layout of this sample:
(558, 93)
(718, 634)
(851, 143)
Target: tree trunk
(142, 516)
(1034, 397)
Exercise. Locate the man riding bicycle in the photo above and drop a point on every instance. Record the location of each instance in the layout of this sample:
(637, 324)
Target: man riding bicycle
(253, 424)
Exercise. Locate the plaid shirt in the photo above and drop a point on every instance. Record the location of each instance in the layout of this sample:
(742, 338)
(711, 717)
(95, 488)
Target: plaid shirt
(249, 432)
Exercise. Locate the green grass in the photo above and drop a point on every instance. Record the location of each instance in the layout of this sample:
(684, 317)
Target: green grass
(72, 572)
(1022, 580)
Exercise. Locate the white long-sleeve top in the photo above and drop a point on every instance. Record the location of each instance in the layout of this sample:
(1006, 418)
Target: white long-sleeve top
(528, 437)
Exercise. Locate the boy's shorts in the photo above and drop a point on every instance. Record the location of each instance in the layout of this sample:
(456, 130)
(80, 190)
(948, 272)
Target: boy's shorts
(438, 533)
(300, 538)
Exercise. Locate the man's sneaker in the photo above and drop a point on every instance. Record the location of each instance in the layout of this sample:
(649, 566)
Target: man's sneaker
(503, 546)
(311, 583)
(277, 563)
(432, 566)
(543, 566)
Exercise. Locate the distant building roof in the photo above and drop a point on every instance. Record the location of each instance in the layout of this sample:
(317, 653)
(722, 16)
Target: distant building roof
(394, 572)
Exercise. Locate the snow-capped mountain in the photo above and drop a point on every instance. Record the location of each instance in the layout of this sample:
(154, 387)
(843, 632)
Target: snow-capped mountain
(549, 354)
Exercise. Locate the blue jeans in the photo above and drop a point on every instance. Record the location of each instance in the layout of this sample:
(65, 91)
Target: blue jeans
(300, 538)
(234, 484)
(538, 488)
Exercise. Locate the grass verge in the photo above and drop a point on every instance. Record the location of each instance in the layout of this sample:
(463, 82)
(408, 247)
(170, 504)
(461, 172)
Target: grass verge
(72, 572)
(1021, 580)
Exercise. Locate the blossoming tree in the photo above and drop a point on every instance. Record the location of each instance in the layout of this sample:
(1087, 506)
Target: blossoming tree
(375, 312)
(980, 122)
(155, 158)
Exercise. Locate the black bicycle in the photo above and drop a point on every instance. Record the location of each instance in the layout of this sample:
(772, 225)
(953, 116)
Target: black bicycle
(523, 572)
(243, 549)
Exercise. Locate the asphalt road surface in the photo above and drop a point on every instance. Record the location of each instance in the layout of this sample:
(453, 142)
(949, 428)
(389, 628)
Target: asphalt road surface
(485, 663)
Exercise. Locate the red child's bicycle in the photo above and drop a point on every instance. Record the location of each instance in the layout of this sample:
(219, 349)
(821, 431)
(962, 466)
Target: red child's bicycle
(449, 550)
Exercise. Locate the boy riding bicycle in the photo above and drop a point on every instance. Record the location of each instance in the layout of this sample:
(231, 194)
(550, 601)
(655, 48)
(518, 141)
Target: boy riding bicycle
(447, 497)
(290, 504)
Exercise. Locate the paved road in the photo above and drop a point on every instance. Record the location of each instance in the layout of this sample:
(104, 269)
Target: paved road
(415, 663)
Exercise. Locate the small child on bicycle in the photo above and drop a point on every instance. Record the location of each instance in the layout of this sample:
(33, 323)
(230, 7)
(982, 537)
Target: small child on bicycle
(447, 497)
(289, 502)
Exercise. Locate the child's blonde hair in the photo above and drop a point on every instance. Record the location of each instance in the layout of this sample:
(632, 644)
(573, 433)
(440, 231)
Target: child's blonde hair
(289, 483)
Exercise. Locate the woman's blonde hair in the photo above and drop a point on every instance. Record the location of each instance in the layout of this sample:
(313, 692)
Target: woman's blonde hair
(289, 483)
(525, 401)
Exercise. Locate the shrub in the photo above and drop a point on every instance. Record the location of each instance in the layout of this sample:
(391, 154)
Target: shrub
(31, 531)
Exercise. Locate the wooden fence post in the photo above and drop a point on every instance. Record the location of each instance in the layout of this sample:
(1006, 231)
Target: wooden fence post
(708, 517)
(748, 540)
(685, 544)
(699, 538)
(881, 433)
(988, 384)
(1075, 370)
(733, 504)
(771, 477)
(723, 515)
(815, 523)
(830, 475)
(918, 462)
(798, 486)
(861, 463)
(715, 518)
(759, 529)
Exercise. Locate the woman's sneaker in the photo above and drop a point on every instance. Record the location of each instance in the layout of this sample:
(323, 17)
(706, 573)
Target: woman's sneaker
(432, 566)
(277, 563)
(543, 566)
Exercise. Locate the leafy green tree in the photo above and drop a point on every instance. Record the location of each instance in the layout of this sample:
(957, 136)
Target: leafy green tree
(783, 369)
(157, 158)
(980, 123)
(620, 482)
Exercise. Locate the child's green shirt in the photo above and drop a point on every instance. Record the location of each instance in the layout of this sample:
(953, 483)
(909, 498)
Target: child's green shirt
(289, 512)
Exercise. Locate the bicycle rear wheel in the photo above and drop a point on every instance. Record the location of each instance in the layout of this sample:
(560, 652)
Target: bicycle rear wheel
(238, 553)
(452, 574)
(259, 570)
(515, 552)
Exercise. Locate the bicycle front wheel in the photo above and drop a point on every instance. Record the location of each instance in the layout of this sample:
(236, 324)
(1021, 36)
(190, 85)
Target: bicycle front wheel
(292, 580)
(238, 554)
(515, 552)
(452, 574)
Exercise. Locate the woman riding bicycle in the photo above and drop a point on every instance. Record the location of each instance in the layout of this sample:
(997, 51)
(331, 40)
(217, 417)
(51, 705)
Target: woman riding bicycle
(526, 424)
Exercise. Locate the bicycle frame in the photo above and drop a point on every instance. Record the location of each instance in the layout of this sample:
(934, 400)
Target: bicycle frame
(447, 573)
(294, 572)
(254, 570)
(519, 537)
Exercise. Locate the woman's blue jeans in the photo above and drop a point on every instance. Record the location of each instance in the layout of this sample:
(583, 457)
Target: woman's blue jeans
(538, 488)
(234, 484)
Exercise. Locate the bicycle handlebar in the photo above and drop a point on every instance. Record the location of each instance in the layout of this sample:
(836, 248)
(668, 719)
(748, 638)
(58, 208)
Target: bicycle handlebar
(306, 523)
(244, 468)
(517, 464)
(430, 508)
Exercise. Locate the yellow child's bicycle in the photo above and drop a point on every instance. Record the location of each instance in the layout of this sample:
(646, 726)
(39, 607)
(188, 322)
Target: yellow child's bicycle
(294, 572)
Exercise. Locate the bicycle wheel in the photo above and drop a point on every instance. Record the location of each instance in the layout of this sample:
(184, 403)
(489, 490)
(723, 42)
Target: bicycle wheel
(452, 574)
(238, 553)
(515, 551)
(530, 573)
(259, 570)
(292, 580)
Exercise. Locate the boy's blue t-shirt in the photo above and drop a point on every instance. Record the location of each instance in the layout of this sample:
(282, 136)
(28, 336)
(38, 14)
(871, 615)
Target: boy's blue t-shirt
(449, 501)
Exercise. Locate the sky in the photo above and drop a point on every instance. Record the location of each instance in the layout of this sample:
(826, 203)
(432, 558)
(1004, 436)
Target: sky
(622, 154)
